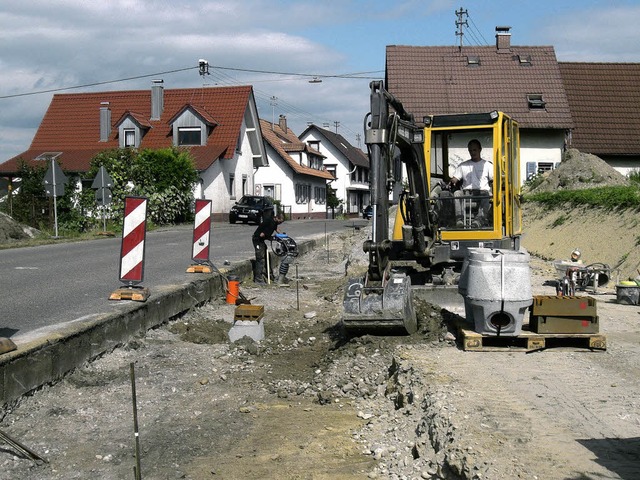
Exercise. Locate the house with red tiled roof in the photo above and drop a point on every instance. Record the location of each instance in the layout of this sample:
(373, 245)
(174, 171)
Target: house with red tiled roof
(604, 99)
(522, 81)
(296, 176)
(348, 164)
(218, 125)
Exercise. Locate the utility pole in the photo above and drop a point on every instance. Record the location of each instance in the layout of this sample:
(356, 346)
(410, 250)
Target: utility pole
(273, 103)
(460, 22)
(336, 124)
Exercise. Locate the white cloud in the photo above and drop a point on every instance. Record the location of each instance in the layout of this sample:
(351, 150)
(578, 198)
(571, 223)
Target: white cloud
(47, 45)
(596, 35)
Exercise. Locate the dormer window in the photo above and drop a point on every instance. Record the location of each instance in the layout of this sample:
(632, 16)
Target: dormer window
(189, 136)
(536, 102)
(132, 127)
(191, 126)
(315, 144)
(129, 138)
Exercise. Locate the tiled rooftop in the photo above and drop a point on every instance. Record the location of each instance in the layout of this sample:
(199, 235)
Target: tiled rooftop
(440, 80)
(285, 142)
(353, 154)
(605, 104)
(72, 124)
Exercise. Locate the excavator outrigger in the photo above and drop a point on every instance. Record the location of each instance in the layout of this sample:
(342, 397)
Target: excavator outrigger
(424, 251)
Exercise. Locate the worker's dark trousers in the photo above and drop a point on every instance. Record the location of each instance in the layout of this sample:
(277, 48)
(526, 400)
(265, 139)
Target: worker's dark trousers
(259, 268)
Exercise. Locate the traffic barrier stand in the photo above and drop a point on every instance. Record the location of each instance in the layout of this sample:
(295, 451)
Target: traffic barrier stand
(201, 238)
(132, 251)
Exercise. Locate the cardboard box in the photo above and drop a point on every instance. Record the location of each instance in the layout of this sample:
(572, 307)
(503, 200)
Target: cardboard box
(552, 324)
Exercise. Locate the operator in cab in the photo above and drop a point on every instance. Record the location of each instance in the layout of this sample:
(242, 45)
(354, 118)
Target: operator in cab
(473, 177)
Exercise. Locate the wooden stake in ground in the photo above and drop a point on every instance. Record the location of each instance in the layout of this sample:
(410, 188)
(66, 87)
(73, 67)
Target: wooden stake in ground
(136, 469)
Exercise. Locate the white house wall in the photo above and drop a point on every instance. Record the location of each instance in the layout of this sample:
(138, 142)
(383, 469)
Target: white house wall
(540, 147)
(279, 172)
(624, 165)
(215, 180)
(342, 181)
(276, 174)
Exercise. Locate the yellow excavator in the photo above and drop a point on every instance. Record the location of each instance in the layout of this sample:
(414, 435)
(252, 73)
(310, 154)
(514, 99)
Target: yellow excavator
(422, 250)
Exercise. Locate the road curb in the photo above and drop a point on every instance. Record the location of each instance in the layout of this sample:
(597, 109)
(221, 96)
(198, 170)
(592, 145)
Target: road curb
(48, 358)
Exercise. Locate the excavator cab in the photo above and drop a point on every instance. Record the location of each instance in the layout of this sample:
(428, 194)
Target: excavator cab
(466, 217)
(421, 250)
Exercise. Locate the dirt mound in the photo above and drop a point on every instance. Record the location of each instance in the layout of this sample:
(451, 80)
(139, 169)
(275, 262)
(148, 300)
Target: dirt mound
(10, 230)
(579, 171)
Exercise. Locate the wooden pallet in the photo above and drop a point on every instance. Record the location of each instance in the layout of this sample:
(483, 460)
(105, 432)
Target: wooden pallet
(137, 294)
(529, 341)
(249, 313)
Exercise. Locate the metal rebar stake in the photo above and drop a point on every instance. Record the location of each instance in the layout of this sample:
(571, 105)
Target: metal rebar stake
(326, 241)
(136, 468)
(297, 289)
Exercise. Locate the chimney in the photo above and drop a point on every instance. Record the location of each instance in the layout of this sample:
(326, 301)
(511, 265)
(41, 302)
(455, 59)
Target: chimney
(282, 122)
(503, 39)
(105, 121)
(157, 99)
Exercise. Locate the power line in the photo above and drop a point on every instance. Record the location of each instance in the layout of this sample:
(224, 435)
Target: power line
(220, 77)
(61, 89)
(265, 98)
(479, 32)
(353, 75)
(313, 75)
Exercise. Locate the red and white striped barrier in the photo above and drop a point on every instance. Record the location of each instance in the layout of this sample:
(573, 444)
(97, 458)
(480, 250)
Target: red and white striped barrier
(133, 239)
(201, 231)
(201, 238)
(132, 250)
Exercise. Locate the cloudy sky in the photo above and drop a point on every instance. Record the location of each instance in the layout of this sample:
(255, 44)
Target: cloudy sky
(278, 46)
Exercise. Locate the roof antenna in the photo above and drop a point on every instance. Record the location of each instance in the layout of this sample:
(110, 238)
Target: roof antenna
(460, 22)
(203, 67)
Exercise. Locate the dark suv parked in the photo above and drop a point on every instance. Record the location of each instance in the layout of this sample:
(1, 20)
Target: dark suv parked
(251, 208)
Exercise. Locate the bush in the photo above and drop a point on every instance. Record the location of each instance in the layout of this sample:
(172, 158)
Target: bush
(166, 177)
(610, 198)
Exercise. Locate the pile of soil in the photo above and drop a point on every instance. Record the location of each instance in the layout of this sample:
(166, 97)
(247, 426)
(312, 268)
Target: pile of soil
(11, 231)
(600, 235)
(579, 171)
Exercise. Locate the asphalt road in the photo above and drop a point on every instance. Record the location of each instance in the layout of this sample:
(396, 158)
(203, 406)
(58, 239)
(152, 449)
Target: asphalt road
(43, 287)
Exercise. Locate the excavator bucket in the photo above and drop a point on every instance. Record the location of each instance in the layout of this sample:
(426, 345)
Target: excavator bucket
(384, 309)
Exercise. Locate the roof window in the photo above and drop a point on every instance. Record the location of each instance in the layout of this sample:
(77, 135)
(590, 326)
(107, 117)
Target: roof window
(525, 60)
(536, 102)
(473, 60)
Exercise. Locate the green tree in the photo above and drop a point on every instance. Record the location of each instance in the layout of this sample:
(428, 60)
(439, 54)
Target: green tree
(333, 201)
(29, 204)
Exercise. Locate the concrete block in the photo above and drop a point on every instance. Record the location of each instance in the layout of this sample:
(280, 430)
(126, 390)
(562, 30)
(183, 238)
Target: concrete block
(247, 328)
